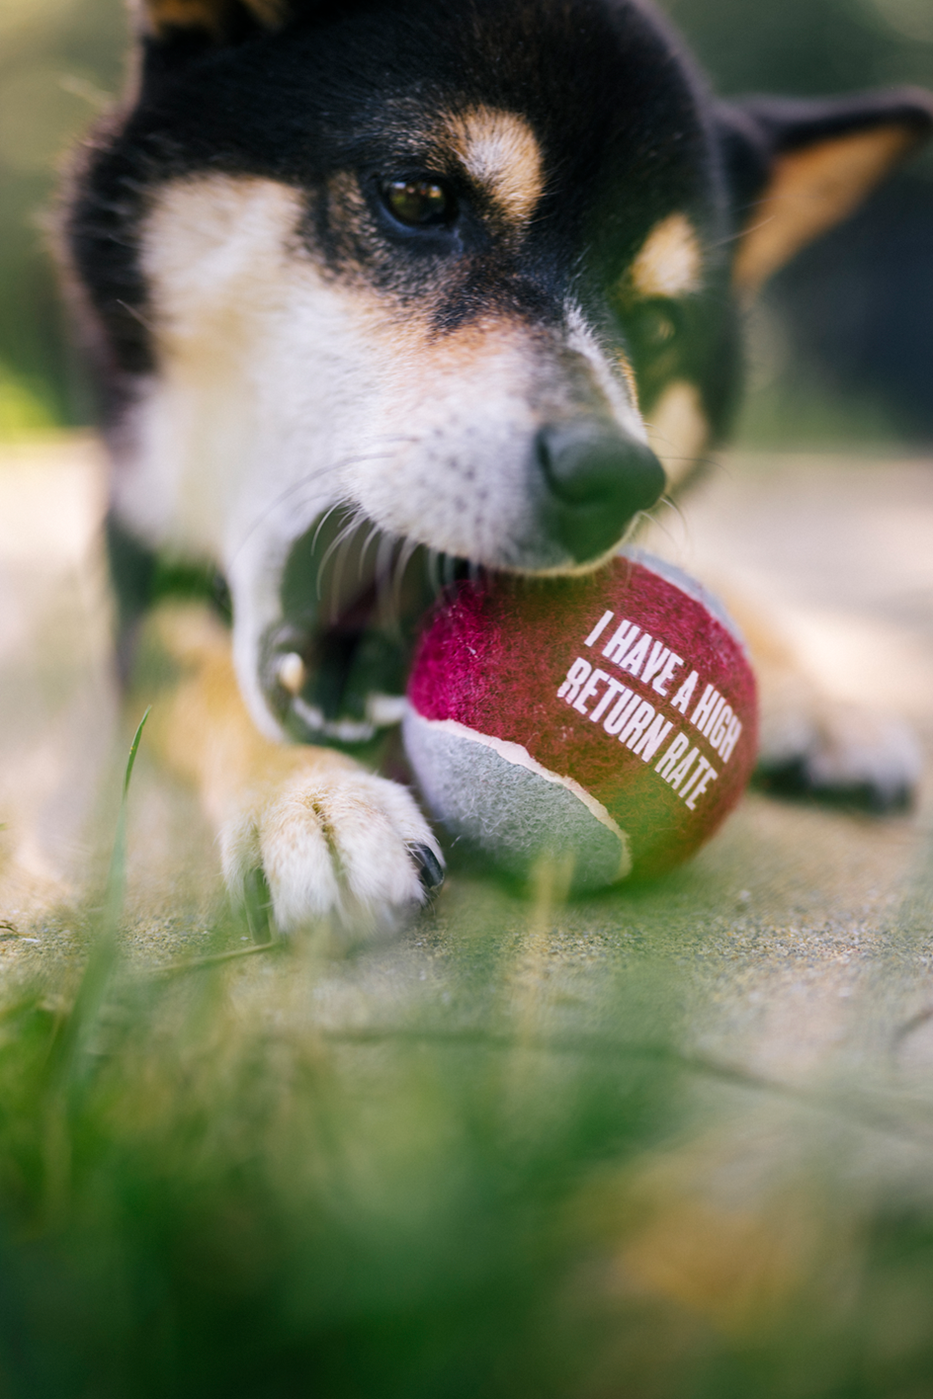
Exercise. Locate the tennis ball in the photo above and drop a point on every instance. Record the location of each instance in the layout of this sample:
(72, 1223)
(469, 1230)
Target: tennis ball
(608, 720)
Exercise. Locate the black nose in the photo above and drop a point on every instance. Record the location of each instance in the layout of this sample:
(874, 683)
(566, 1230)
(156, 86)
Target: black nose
(597, 480)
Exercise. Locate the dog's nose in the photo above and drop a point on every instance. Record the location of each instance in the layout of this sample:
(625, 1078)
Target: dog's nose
(597, 480)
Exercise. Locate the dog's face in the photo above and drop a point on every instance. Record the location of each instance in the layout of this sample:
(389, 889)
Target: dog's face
(460, 272)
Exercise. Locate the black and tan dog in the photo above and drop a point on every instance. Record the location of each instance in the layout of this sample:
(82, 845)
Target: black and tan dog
(383, 291)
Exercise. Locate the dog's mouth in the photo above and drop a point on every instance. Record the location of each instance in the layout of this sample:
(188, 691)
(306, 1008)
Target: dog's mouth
(334, 669)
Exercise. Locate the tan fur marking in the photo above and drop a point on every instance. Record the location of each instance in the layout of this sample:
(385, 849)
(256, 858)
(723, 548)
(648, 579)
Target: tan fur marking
(810, 191)
(202, 729)
(670, 262)
(678, 431)
(628, 374)
(500, 151)
(160, 15)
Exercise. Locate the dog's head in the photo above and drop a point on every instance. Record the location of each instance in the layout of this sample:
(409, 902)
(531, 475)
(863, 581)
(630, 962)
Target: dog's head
(464, 272)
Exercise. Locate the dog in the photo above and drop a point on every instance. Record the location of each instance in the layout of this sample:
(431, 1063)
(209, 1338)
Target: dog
(382, 293)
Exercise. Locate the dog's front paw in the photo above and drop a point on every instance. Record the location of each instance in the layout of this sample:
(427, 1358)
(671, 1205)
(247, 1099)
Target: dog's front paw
(333, 840)
(840, 754)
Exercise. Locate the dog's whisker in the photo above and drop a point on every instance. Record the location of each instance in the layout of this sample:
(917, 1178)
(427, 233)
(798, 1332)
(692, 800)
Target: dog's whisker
(341, 538)
(323, 521)
(346, 529)
(384, 553)
(384, 560)
(671, 504)
(373, 533)
(340, 558)
(405, 556)
(638, 519)
(313, 481)
(313, 478)
(432, 568)
(658, 520)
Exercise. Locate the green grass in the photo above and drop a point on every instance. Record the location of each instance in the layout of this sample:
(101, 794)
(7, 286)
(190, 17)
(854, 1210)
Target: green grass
(205, 1198)
(224, 1177)
(208, 1192)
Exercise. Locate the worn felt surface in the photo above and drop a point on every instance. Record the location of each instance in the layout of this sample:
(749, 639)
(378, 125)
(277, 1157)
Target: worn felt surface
(518, 816)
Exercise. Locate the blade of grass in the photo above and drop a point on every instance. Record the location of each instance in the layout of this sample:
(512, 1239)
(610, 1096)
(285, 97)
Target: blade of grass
(69, 1065)
(216, 959)
(116, 875)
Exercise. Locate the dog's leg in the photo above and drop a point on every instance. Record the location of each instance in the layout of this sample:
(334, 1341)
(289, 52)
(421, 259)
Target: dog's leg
(329, 837)
(815, 745)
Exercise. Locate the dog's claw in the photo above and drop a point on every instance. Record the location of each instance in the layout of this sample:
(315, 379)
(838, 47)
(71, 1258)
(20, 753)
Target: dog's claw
(430, 869)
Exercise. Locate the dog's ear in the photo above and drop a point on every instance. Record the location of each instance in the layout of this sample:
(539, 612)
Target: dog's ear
(799, 167)
(213, 21)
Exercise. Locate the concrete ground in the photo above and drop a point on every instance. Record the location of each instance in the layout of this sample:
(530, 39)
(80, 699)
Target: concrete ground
(800, 939)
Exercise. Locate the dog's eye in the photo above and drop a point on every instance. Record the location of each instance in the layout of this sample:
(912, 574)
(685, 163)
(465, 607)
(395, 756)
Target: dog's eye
(418, 203)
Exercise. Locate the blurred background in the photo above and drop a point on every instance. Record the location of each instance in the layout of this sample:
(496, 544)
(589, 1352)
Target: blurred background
(841, 349)
(671, 1142)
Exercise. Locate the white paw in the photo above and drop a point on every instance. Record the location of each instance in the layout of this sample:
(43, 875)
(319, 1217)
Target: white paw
(840, 753)
(333, 841)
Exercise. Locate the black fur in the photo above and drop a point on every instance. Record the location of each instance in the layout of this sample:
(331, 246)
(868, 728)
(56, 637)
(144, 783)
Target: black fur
(633, 141)
(628, 131)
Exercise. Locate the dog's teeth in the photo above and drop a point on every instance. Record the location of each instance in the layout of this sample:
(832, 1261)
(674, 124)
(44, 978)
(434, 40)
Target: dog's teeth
(292, 673)
(385, 711)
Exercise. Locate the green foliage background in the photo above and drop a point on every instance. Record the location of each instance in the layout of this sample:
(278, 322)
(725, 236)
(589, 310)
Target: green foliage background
(61, 60)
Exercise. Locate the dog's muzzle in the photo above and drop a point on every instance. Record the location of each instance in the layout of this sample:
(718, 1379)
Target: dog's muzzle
(333, 668)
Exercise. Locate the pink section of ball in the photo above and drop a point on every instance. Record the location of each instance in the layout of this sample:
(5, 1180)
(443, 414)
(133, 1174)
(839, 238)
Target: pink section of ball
(493, 658)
